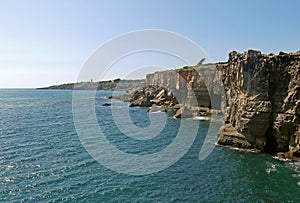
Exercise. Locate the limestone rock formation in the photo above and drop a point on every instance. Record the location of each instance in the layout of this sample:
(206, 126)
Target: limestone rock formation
(230, 137)
(259, 94)
(262, 101)
(191, 87)
(148, 96)
(188, 82)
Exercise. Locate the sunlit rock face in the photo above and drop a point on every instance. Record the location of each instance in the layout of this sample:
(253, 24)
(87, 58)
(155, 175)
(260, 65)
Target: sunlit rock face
(187, 83)
(259, 95)
(262, 101)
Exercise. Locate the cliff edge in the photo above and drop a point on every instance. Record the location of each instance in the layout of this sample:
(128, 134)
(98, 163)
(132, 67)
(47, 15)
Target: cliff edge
(258, 94)
(189, 91)
(262, 99)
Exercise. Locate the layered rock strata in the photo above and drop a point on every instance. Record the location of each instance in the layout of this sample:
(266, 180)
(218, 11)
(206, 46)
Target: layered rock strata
(187, 91)
(195, 80)
(259, 95)
(262, 102)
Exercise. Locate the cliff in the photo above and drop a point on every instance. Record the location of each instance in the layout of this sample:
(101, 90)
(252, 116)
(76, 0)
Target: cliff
(261, 99)
(263, 102)
(195, 79)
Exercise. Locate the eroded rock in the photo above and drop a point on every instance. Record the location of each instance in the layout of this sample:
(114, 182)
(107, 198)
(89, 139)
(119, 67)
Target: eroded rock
(262, 101)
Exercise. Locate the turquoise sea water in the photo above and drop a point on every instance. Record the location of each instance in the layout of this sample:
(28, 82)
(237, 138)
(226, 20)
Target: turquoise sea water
(43, 160)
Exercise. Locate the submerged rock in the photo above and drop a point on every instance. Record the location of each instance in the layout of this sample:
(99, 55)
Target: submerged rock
(106, 104)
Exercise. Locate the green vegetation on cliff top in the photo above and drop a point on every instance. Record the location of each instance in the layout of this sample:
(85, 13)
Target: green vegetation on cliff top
(116, 84)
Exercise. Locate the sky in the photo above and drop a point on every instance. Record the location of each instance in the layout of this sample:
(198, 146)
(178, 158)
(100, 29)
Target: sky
(47, 42)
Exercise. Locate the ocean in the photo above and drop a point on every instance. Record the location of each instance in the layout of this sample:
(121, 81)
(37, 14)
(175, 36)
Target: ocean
(42, 158)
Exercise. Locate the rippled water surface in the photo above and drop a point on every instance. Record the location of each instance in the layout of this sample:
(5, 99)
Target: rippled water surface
(43, 160)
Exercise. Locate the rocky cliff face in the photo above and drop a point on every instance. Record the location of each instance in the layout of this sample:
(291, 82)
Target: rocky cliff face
(260, 98)
(262, 102)
(182, 82)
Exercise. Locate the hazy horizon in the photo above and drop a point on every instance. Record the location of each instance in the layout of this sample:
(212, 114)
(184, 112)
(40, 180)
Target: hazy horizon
(46, 43)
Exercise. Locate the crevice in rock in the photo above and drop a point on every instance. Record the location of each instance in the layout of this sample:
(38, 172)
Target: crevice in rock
(271, 143)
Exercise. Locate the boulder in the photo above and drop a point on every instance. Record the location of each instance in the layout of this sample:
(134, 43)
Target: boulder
(183, 112)
(141, 102)
(229, 136)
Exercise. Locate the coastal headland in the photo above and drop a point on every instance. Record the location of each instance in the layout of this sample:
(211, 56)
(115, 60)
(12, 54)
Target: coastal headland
(116, 84)
(258, 94)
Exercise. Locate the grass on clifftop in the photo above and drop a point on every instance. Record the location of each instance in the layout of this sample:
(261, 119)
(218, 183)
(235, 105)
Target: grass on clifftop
(116, 84)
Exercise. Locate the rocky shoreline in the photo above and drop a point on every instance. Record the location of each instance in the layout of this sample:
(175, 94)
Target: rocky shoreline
(263, 102)
(258, 94)
(159, 99)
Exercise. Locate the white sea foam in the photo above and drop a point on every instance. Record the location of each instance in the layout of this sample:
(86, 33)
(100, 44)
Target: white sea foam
(272, 168)
(9, 167)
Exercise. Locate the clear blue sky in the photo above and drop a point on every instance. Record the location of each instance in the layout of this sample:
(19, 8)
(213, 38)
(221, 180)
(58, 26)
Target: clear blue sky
(46, 42)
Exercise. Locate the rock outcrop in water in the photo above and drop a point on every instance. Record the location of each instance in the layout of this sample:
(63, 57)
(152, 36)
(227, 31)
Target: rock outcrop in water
(261, 98)
(148, 96)
(263, 102)
(187, 91)
(196, 80)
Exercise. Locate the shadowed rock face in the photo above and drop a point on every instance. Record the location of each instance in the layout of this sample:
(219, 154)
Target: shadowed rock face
(262, 101)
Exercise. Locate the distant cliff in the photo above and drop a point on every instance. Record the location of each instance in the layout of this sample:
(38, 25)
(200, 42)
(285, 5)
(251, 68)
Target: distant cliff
(116, 84)
(198, 79)
(261, 98)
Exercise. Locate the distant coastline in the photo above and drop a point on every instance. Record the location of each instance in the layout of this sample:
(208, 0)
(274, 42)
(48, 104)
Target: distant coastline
(117, 84)
(258, 94)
